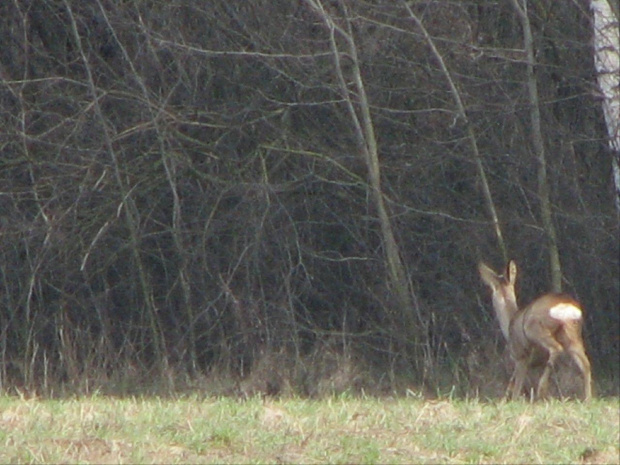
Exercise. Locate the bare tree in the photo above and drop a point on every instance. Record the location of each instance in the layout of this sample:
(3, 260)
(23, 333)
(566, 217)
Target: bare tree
(607, 63)
(471, 136)
(265, 189)
(538, 144)
(358, 108)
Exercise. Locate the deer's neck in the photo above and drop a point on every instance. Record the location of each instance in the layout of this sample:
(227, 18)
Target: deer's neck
(505, 307)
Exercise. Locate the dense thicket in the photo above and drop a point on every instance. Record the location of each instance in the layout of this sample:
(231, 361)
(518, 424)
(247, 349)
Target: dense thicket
(182, 192)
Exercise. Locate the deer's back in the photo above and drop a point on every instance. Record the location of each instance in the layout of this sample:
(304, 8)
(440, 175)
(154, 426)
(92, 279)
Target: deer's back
(555, 313)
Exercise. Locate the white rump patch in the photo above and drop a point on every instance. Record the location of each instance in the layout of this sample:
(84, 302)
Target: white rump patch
(565, 312)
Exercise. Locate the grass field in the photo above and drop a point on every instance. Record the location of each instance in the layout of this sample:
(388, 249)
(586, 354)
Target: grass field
(335, 430)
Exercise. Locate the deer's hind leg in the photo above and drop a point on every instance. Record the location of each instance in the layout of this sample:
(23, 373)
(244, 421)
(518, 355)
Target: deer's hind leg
(572, 341)
(581, 359)
(547, 342)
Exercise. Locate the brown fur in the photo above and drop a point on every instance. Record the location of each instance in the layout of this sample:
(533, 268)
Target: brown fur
(533, 334)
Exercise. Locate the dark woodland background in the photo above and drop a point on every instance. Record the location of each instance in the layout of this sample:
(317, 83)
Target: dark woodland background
(184, 205)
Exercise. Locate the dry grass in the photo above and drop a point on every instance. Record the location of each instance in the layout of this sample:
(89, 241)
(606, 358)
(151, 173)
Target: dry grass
(334, 430)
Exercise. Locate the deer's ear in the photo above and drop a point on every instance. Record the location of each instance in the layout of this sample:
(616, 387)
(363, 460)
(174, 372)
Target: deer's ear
(488, 275)
(511, 272)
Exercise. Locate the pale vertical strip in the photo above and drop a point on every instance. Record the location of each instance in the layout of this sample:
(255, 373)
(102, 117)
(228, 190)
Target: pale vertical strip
(607, 63)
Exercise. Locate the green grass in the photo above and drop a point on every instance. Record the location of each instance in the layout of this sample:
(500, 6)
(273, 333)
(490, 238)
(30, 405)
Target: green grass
(334, 430)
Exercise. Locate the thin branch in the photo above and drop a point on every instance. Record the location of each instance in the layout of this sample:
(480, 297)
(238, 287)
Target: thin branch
(456, 95)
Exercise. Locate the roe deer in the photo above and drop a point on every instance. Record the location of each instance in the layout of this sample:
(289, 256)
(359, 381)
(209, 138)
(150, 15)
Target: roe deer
(544, 329)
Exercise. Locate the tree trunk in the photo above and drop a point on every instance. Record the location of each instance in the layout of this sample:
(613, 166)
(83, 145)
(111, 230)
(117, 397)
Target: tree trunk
(456, 95)
(607, 63)
(367, 144)
(539, 149)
